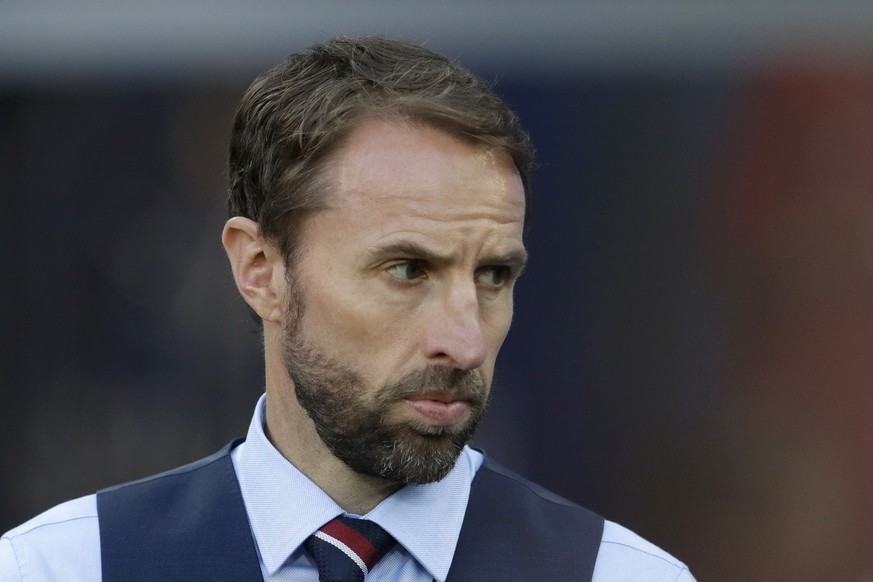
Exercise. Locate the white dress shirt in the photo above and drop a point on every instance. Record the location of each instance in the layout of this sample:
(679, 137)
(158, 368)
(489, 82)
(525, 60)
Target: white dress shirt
(284, 508)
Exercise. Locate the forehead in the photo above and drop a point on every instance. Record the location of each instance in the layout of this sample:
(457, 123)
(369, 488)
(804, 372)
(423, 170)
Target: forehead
(417, 169)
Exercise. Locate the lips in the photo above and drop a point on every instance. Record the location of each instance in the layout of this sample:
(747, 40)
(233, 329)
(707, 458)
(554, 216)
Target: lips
(439, 409)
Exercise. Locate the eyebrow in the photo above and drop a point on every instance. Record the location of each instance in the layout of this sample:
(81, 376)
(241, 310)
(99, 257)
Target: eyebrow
(411, 250)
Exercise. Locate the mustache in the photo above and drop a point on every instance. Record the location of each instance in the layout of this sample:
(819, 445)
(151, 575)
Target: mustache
(466, 384)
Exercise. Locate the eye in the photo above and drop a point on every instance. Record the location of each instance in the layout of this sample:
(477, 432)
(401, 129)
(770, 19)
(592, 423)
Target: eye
(495, 276)
(406, 271)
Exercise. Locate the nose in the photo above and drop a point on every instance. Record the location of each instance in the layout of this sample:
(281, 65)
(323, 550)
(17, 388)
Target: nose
(455, 336)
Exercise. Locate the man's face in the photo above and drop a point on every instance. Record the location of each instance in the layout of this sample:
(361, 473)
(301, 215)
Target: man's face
(402, 297)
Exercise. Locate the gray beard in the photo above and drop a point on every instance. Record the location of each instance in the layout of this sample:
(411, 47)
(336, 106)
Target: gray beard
(356, 430)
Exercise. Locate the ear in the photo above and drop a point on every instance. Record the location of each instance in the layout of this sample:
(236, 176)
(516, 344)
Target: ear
(258, 267)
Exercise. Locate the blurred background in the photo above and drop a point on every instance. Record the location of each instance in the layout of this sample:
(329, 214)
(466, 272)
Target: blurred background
(692, 353)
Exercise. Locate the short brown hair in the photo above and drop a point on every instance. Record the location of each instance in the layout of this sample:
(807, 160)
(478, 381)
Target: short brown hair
(296, 114)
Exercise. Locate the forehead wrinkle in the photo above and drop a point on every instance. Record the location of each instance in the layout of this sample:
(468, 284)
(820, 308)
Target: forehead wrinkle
(418, 245)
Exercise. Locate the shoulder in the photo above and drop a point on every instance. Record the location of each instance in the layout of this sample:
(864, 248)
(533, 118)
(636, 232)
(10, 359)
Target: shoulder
(62, 543)
(65, 521)
(513, 526)
(155, 500)
(620, 553)
(217, 462)
(627, 556)
(503, 482)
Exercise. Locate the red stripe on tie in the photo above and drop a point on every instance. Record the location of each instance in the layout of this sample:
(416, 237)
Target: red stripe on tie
(354, 540)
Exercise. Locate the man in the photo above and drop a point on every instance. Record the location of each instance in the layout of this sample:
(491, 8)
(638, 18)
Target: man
(378, 200)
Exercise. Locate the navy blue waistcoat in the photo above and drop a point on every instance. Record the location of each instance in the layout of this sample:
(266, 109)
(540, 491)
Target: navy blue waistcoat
(191, 524)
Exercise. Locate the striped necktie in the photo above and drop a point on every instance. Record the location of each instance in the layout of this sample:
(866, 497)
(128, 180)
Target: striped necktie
(346, 548)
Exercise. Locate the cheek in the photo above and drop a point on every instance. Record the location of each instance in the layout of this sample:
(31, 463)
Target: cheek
(355, 327)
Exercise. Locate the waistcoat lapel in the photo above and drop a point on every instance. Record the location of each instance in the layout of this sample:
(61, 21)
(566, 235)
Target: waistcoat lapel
(188, 524)
(516, 530)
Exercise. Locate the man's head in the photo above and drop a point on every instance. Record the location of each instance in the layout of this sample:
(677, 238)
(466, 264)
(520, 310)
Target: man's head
(379, 194)
(296, 115)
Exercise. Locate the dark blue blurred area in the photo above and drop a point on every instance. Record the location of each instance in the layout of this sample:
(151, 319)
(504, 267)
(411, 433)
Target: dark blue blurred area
(610, 340)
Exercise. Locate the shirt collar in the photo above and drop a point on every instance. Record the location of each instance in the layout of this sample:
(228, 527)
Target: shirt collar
(285, 507)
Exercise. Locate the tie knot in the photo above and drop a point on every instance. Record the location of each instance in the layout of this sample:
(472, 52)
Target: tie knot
(346, 548)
